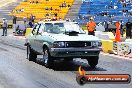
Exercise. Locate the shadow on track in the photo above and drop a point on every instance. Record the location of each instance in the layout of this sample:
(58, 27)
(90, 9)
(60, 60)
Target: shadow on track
(62, 65)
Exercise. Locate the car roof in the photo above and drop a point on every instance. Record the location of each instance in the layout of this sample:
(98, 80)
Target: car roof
(62, 21)
(52, 22)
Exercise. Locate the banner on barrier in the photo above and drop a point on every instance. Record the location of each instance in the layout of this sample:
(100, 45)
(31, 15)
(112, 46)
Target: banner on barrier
(125, 48)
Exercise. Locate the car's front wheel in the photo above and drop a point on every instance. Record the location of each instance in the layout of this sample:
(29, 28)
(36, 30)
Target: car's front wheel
(31, 55)
(48, 60)
(93, 61)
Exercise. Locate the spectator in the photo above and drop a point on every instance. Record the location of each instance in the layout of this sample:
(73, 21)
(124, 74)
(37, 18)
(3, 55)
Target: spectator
(51, 8)
(121, 28)
(110, 6)
(32, 2)
(117, 24)
(124, 14)
(69, 5)
(124, 4)
(47, 14)
(61, 6)
(24, 0)
(83, 1)
(60, 18)
(55, 14)
(55, 17)
(128, 29)
(30, 24)
(32, 18)
(46, 8)
(14, 23)
(4, 26)
(64, 4)
(106, 25)
(14, 19)
(91, 26)
(37, 2)
(115, 7)
(80, 17)
(57, 9)
(22, 10)
(25, 21)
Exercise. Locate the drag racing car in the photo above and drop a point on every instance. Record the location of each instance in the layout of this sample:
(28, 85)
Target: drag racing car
(57, 40)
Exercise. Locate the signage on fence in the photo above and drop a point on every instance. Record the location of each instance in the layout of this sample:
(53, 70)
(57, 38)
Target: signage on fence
(125, 48)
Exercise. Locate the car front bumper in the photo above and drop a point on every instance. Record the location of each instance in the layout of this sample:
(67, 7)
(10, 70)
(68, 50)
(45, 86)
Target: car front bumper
(74, 52)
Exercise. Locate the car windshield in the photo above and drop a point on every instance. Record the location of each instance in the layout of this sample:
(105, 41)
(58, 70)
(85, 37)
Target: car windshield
(48, 25)
(63, 28)
(59, 24)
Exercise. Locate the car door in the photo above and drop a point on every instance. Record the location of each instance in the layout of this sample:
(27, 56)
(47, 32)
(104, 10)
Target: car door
(40, 38)
(33, 41)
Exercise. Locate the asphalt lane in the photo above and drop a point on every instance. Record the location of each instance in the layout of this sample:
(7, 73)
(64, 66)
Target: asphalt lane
(17, 72)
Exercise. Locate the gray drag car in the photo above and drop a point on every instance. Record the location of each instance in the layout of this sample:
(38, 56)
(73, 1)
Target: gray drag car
(60, 39)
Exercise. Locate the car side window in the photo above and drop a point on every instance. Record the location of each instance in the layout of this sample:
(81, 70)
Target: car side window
(48, 26)
(35, 29)
(41, 29)
(55, 29)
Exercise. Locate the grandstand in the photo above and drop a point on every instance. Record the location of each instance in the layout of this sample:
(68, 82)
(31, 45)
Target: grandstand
(103, 10)
(73, 12)
(6, 2)
(43, 9)
(6, 7)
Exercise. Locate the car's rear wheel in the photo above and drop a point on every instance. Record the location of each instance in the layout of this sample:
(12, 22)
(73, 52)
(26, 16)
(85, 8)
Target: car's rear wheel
(93, 61)
(48, 60)
(31, 55)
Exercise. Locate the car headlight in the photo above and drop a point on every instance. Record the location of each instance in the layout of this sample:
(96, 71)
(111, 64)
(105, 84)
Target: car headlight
(94, 43)
(100, 43)
(59, 44)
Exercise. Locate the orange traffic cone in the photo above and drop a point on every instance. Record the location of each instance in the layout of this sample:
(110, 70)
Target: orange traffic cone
(118, 35)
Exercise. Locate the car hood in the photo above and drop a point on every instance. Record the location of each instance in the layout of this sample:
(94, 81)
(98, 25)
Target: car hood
(79, 37)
